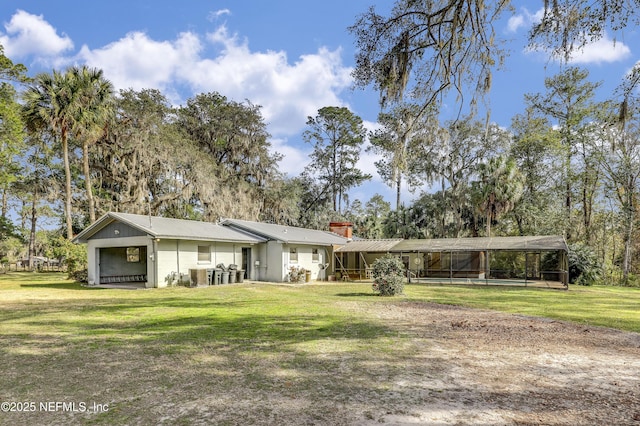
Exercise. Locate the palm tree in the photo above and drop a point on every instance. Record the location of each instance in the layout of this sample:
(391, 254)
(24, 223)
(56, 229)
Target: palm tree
(500, 186)
(96, 107)
(51, 104)
(73, 104)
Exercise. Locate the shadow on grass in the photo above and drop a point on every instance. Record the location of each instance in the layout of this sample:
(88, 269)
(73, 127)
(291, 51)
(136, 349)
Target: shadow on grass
(176, 326)
(356, 294)
(59, 286)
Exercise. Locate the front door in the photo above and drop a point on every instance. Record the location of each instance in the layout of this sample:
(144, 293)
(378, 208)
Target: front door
(246, 261)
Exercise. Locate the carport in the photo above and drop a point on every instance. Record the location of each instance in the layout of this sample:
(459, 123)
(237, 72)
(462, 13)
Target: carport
(123, 265)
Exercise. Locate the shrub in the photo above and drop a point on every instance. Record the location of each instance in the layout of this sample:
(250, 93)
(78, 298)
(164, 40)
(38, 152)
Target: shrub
(633, 280)
(388, 276)
(73, 255)
(79, 275)
(584, 267)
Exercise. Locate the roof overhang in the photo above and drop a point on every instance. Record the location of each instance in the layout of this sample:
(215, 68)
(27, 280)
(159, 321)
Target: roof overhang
(525, 243)
(177, 230)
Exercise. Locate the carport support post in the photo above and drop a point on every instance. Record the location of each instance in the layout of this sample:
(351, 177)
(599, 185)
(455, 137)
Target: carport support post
(564, 260)
(178, 258)
(154, 263)
(526, 267)
(486, 267)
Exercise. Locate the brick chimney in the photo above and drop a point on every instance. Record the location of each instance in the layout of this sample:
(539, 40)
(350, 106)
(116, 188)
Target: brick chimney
(344, 229)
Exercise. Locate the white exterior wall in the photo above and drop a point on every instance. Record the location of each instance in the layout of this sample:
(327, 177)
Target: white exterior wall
(305, 258)
(93, 256)
(165, 257)
(182, 255)
(260, 270)
(274, 266)
(168, 260)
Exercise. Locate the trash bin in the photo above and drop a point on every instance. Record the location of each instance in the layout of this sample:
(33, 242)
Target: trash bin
(307, 276)
(224, 273)
(240, 275)
(232, 273)
(217, 276)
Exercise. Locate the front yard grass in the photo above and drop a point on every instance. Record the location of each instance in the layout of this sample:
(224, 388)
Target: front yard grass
(606, 306)
(145, 351)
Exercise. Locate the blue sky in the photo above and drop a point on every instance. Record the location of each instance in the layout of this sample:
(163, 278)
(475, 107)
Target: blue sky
(290, 57)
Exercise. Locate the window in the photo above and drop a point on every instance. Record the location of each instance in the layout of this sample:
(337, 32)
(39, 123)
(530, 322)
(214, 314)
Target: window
(133, 254)
(204, 253)
(315, 257)
(293, 255)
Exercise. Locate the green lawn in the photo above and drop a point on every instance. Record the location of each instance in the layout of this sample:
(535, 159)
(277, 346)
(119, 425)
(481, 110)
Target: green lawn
(61, 341)
(615, 307)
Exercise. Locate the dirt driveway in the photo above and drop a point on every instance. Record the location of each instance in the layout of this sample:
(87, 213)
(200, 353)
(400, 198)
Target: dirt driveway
(484, 367)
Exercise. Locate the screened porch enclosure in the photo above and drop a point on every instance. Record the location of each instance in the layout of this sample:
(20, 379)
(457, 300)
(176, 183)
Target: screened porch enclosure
(489, 265)
(497, 260)
(354, 260)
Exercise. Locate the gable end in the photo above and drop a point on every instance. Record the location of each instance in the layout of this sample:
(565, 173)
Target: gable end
(117, 230)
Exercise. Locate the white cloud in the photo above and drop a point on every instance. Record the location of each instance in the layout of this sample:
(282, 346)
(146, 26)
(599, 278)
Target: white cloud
(288, 92)
(525, 20)
(514, 23)
(604, 50)
(28, 34)
(136, 61)
(367, 160)
(294, 160)
(213, 16)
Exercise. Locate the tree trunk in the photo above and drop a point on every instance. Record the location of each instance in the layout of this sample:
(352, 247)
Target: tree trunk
(568, 196)
(23, 214)
(626, 262)
(444, 210)
(5, 203)
(67, 174)
(334, 188)
(488, 225)
(398, 186)
(87, 182)
(34, 219)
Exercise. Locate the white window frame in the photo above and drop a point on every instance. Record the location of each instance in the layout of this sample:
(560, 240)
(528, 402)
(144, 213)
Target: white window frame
(201, 253)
